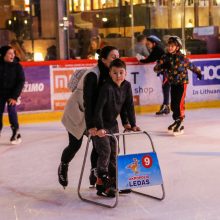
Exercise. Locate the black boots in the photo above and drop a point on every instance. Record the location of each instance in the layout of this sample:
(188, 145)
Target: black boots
(164, 109)
(171, 127)
(62, 174)
(16, 137)
(177, 127)
(105, 186)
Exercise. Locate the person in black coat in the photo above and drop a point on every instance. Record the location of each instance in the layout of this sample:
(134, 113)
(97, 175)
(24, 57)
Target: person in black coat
(154, 43)
(11, 84)
(115, 98)
(91, 88)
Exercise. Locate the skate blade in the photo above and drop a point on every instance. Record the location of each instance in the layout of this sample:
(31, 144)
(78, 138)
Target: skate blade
(161, 115)
(178, 133)
(170, 131)
(15, 142)
(102, 194)
(125, 191)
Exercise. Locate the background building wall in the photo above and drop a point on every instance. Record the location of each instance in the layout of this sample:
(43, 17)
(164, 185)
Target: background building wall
(48, 18)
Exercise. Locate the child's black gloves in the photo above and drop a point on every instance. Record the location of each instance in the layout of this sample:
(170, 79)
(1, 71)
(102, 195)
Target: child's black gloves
(199, 76)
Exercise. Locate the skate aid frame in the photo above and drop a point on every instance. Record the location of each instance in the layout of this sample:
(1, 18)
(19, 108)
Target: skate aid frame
(124, 148)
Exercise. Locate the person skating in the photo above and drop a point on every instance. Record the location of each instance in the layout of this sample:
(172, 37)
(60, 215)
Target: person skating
(175, 64)
(79, 112)
(156, 51)
(12, 80)
(115, 98)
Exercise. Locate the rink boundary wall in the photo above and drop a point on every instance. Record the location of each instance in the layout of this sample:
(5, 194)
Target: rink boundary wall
(85, 61)
(46, 114)
(29, 118)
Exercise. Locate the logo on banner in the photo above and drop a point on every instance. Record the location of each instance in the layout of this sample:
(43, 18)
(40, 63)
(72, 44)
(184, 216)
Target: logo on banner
(134, 166)
(140, 90)
(139, 178)
(138, 170)
(210, 71)
(61, 79)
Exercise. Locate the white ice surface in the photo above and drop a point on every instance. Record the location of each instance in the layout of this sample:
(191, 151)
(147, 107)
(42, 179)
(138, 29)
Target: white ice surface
(190, 167)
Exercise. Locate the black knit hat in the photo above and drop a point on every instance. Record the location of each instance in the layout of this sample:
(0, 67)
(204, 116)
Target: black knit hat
(104, 52)
(3, 50)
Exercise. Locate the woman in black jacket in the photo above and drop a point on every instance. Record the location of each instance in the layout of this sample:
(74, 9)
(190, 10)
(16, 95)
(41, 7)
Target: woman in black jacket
(91, 87)
(156, 53)
(11, 84)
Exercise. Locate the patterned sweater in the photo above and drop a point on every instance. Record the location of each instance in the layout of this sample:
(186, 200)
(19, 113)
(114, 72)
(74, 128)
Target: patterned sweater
(175, 66)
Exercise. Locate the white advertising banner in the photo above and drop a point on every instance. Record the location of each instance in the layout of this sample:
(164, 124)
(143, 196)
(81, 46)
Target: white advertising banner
(146, 86)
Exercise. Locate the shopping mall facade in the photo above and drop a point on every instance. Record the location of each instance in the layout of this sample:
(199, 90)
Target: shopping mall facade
(63, 29)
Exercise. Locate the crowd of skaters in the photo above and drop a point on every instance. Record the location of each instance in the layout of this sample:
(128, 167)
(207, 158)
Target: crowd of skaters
(101, 94)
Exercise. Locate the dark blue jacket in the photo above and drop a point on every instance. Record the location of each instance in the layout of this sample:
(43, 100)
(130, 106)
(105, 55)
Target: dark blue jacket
(12, 79)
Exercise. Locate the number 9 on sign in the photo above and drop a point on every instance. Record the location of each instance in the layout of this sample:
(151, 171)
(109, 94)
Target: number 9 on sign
(147, 161)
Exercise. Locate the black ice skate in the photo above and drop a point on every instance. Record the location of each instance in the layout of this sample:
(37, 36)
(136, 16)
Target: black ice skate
(122, 191)
(16, 137)
(172, 126)
(164, 110)
(62, 174)
(104, 187)
(93, 177)
(178, 129)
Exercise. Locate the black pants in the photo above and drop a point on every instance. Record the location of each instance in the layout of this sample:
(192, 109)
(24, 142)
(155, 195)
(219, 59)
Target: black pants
(73, 147)
(106, 149)
(166, 91)
(178, 94)
(12, 113)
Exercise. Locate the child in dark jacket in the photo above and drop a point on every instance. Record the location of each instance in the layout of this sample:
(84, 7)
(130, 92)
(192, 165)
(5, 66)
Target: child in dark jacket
(114, 98)
(12, 80)
(157, 51)
(175, 64)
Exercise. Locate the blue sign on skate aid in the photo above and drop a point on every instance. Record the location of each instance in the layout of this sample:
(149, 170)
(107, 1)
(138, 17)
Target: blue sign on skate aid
(138, 170)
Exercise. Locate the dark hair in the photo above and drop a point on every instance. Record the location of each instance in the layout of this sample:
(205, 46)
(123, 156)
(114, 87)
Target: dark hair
(140, 37)
(4, 50)
(104, 52)
(118, 63)
(175, 40)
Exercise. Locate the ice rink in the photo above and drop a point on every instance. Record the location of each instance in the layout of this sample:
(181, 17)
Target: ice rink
(190, 165)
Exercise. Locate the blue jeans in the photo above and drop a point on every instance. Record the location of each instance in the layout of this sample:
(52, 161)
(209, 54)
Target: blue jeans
(12, 113)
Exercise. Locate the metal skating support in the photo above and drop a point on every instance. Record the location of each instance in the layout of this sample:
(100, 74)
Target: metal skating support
(124, 148)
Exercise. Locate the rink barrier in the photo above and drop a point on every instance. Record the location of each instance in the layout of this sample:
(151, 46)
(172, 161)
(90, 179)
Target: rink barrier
(115, 203)
(42, 101)
(40, 117)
